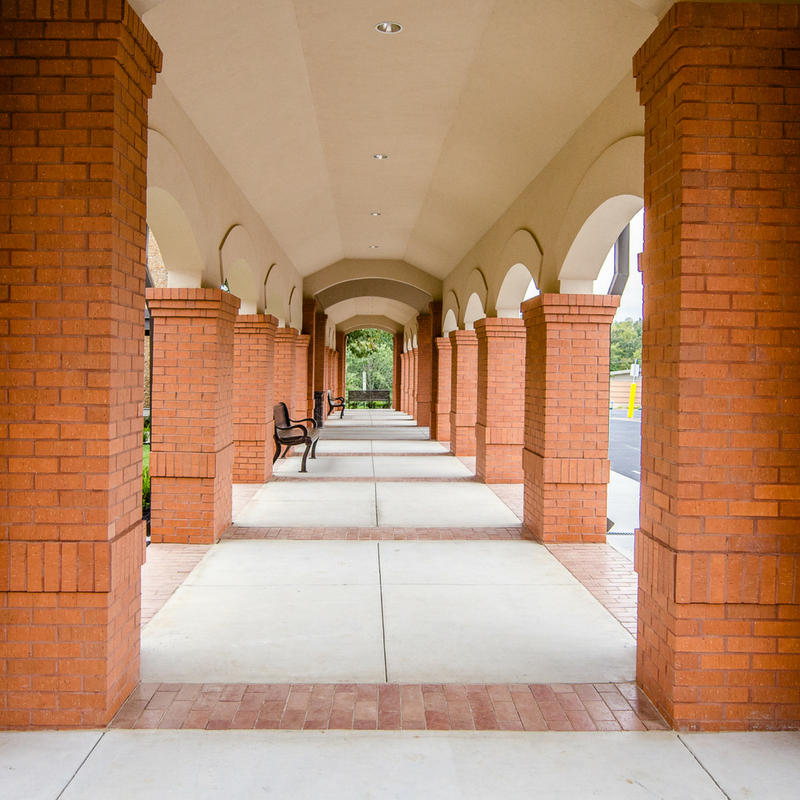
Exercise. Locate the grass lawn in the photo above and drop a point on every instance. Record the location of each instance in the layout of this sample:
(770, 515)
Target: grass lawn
(146, 456)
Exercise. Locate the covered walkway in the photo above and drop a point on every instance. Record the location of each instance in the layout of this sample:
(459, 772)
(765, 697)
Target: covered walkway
(484, 659)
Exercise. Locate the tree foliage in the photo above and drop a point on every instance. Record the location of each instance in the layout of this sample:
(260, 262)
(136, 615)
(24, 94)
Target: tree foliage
(371, 351)
(626, 344)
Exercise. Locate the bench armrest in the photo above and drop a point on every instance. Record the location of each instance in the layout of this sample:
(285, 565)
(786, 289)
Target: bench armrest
(292, 427)
(307, 419)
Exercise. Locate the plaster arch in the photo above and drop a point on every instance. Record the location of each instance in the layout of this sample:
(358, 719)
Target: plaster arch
(175, 215)
(473, 312)
(610, 194)
(364, 321)
(451, 310)
(519, 264)
(513, 290)
(273, 300)
(237, 259)
(295, 307)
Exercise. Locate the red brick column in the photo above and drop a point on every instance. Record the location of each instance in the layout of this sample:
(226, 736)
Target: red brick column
(303, 404)
(424, 358)
(253, 397)
(341, 365)
(284, 368)
(500, 426)
(566, 416)
(310, 330)
(440, 419)
(404, 383)
(414, 366)
(717, 553)
(463, 392)
(319, 349)
(397, 373)
(73, 115)
(191, 456)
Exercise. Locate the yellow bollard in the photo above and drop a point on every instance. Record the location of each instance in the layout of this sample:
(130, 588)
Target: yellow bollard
(632, 401)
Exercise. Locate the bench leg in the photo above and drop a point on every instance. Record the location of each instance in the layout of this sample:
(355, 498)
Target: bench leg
(314, 449)
(305, 456)
(277, 453)
(342, 414)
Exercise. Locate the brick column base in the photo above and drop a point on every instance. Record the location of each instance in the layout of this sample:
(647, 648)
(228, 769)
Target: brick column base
(191, 460)
(463, 392)
(500, 426)
(440, 418)
(565, 460)
(253, 425)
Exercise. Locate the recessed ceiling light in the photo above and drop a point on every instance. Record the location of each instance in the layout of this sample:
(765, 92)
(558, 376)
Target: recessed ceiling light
(374, 213)
(389, 27)
(380, 156)
(373, 247)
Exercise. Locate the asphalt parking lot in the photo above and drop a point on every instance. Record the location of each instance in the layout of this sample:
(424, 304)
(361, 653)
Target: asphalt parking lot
(625, 442)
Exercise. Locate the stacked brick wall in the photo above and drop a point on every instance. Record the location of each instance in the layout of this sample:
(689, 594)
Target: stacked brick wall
(500, 421)
(191, 460)
(303, 405)
(319, 354)
(565, 459)
(440, 419)
(463, 392)
(253, 397)
(717, 553)
(285, 363)
(73, 121)
(424, 353)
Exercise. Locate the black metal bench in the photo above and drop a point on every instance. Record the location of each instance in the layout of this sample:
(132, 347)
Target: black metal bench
(369, 396)
(334, 403)
(290, 433)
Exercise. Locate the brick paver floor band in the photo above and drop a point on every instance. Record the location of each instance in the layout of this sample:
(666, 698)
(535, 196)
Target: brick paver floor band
(432, 707)
(375, 534)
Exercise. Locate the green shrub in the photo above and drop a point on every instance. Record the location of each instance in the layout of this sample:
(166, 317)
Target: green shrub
(145, 490)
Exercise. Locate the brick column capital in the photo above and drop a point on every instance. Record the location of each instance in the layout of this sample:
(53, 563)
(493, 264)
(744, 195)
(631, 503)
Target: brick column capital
(500, 327)
(442, 343)
(569, 308)
(462, 338)
(256, 324)
(192, 303)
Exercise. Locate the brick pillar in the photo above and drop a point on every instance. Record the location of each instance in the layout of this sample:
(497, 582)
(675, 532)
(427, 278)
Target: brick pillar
(717, 552)
(191, 456)
(435, 310)
(440, 419)
(72, 536)
(253, 397)
(303, 404)
(412, 400)
(500, 426)
(463, 392)
(341, 364)
(284, 369)
(424, 353)
(318, 353)
(309, 329)
(566, 416)
(404, 383)
(397, 372)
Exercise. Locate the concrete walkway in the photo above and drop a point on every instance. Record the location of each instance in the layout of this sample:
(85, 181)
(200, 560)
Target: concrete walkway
(495, 651)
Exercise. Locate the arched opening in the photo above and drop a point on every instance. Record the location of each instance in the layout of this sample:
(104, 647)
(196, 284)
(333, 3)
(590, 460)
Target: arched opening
(369, 368)
(518, 286)
(474, 311)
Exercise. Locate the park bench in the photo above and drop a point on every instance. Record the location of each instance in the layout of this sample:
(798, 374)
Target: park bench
(369, 396)
(334, 403)
(290, 433)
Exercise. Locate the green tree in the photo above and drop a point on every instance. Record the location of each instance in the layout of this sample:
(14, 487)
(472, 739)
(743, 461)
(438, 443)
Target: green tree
(626, 344)
(371, 351)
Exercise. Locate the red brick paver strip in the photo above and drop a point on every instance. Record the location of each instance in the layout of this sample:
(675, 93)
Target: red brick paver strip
(608, 576)
(345, 706)
(377, 534)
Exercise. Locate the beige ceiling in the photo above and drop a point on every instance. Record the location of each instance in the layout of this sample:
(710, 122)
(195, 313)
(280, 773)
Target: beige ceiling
(470, 101)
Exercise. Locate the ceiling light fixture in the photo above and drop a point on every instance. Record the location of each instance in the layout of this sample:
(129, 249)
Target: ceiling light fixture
(380, 156)
(389, 27)
(373, 247)
(374, 213)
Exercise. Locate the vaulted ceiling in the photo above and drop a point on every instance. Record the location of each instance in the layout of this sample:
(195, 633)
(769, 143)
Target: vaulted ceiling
(469, 101)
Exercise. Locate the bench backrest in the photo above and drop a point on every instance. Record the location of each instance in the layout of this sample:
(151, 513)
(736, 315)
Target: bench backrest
(281, 415)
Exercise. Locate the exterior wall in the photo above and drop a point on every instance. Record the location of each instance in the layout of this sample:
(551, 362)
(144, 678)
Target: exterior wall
(253, 397)
(500, 421)
(440, 419)
(192, 452)
(72, 537)
(284, 369)
(566, 416)
(463, 392)
(717, 553)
